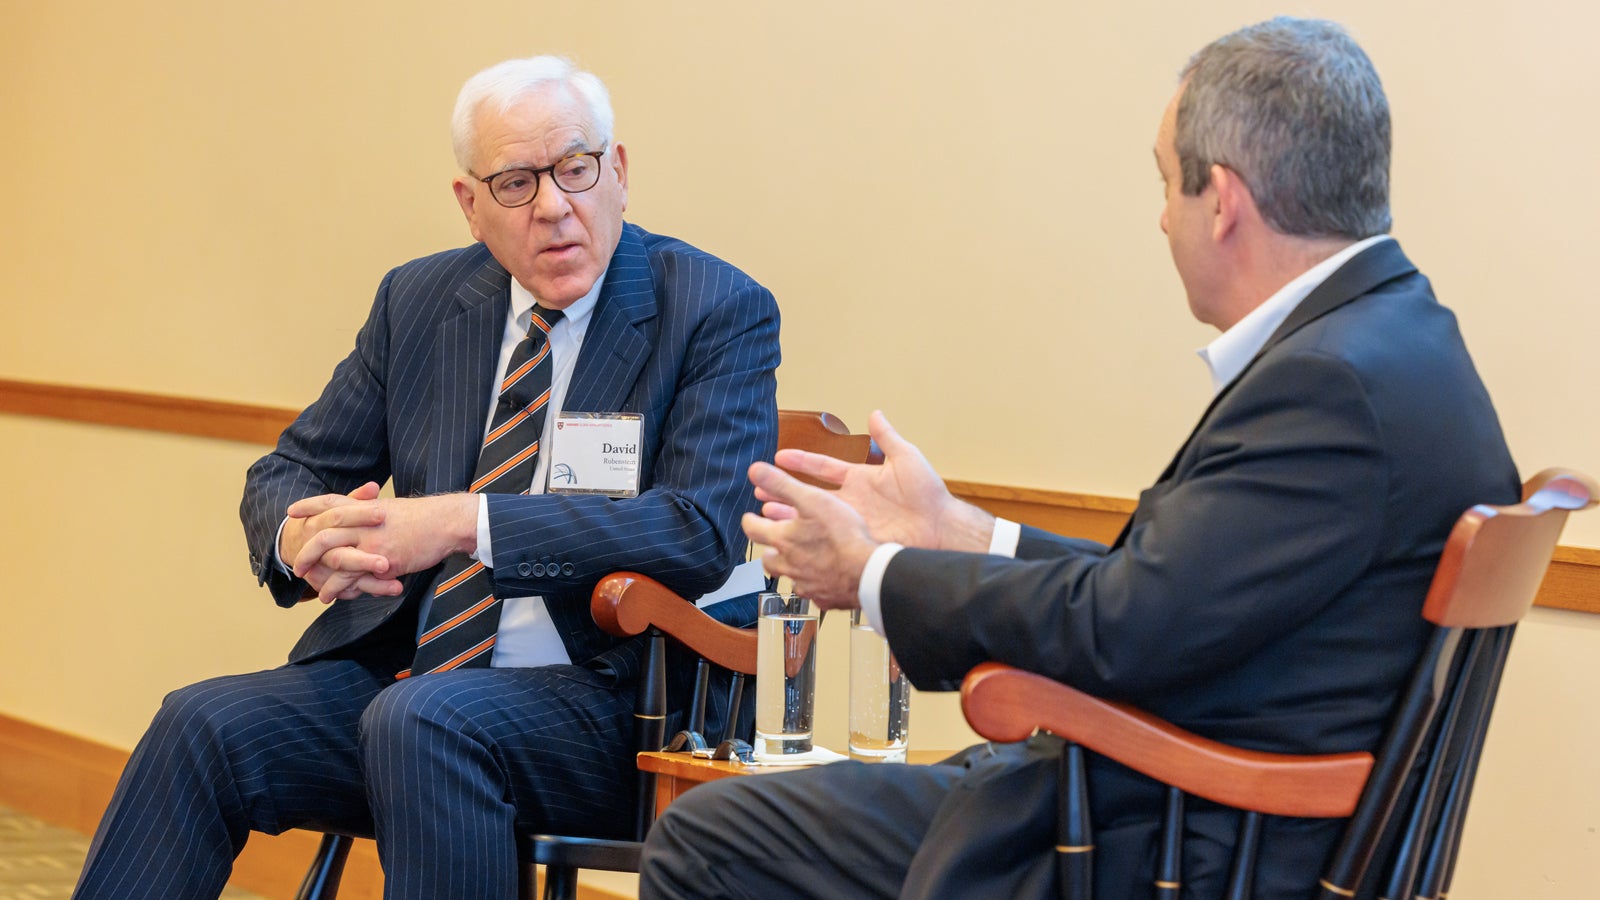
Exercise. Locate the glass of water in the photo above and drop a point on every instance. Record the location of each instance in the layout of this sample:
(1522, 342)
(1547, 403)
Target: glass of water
(880, 697)
(786, 674)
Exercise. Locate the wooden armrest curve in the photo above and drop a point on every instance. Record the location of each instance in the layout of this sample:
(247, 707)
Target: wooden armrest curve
(1003, 703)
(821, 432)
(627, 603)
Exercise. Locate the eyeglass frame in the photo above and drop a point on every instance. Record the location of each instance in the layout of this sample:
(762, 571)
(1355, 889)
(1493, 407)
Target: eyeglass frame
(539, 182)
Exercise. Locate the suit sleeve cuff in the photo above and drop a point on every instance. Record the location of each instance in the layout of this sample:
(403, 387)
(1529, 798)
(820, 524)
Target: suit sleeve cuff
(1006, 536)
(871, 591)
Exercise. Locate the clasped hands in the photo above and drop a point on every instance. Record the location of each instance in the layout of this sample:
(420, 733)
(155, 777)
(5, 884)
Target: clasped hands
(348, 545)
(821, 539)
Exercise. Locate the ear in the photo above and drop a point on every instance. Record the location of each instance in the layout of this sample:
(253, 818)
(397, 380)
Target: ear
(1231, 202)
(619, 164)
(467, 196)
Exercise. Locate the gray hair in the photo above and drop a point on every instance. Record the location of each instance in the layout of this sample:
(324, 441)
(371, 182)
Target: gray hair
(500, 86)
(1295, 108)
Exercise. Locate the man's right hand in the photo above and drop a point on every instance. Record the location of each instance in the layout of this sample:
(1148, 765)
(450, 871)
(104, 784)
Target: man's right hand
(903, 501)
(348, 573)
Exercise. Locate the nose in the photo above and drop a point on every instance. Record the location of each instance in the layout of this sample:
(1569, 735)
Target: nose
(550, 203)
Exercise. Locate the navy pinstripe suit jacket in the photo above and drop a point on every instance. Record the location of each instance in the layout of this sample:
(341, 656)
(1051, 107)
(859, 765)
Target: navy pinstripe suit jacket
(678, 336)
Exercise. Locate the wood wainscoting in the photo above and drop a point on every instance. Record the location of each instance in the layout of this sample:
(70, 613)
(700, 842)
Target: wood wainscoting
(1572, 583)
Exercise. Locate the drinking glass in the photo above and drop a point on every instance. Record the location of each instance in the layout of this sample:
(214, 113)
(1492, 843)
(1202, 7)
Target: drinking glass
(880, 697)
(786, 674)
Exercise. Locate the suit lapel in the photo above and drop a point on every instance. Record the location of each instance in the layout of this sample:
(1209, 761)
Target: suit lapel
(466, 352)
(1360, 275)
(614, 347)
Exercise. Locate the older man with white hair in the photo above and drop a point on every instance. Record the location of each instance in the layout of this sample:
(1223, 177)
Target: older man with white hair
(456, 689)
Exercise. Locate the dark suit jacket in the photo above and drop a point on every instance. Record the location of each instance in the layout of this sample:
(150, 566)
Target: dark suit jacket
(678, 336)
(1268, 590)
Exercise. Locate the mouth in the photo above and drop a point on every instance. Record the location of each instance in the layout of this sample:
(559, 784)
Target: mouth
(560, 250)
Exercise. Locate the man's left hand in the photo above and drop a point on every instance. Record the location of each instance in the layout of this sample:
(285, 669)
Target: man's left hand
(812, 536)
(413, 534)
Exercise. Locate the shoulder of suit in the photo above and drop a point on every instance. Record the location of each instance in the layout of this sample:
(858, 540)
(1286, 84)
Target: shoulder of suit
(1393, 331)
(670, 255)
(445, 262)
(441, 274)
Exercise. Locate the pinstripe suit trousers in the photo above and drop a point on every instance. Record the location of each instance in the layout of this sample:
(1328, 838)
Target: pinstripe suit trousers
(441, 768)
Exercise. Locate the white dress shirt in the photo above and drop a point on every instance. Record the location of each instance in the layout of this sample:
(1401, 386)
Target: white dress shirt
(1226, 356)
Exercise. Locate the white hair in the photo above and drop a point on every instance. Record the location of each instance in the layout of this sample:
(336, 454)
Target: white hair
(500, 86)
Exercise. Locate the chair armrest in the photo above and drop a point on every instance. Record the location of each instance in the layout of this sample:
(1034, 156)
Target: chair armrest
(626, 603)
(1007, 704)
(824, 433)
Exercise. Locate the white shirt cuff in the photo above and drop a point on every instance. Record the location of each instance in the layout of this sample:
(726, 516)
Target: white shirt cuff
(485, 551)
(1007, 535)
(871, 589)
(277, 541)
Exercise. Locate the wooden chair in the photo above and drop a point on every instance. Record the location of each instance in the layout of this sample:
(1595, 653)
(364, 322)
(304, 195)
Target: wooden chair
(627, 604)
(1417, 787)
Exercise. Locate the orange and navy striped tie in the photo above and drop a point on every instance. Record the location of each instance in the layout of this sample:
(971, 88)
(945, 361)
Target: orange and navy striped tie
(461, 625)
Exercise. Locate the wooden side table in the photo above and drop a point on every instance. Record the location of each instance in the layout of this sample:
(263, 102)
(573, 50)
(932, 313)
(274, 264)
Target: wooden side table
(678, 772)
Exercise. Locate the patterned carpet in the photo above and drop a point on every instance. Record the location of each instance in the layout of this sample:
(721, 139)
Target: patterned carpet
(39, 861)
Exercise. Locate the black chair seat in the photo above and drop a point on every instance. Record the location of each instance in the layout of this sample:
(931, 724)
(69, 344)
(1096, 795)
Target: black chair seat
(579, 852)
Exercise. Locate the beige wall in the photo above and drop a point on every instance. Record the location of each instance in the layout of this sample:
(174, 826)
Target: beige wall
(201, 196)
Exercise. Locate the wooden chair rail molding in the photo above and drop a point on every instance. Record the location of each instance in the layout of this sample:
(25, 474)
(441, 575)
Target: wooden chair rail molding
(1573, 582)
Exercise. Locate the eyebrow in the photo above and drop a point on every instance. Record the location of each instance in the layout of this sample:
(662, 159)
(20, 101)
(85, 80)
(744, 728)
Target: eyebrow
(573, 148)
(576, 145)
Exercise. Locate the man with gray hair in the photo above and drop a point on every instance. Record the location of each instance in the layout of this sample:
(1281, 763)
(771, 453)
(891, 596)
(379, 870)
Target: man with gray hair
(1267, 591)
(568, 397)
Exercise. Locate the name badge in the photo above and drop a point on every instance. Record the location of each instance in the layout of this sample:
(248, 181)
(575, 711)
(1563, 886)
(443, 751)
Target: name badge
(595, 453)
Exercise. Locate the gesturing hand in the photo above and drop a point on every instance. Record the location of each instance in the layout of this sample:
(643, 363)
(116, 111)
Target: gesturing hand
(903, 500)
(811, 536)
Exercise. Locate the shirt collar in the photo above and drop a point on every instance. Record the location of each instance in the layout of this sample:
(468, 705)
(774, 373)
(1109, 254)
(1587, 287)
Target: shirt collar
(1232, 350)
(522, 301)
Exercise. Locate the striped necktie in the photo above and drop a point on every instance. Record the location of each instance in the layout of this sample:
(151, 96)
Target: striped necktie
(461, 625)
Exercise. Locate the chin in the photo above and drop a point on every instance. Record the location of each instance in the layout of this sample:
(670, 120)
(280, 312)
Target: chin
(563, 290)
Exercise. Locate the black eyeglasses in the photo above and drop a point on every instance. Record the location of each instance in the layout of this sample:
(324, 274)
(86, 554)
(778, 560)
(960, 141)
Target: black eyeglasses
(517, 187)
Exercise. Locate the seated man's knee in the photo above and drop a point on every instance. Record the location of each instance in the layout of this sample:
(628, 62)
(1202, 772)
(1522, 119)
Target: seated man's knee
(411, 710)
(694, 818)
(208, 712)
(672, 854)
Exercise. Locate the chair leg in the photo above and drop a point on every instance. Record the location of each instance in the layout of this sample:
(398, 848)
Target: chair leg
(560, 883)
(527, 881)
(327, 867)
(1169, 869)
(1074, 833)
